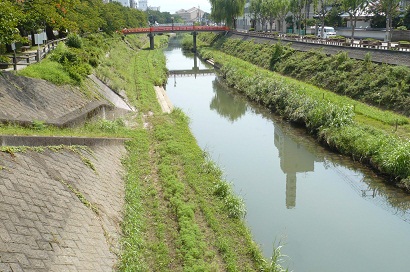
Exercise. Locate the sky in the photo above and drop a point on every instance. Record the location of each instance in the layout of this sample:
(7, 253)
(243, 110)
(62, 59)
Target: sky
(173, 5)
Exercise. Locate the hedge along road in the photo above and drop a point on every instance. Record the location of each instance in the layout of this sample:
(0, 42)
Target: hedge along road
(330, 214)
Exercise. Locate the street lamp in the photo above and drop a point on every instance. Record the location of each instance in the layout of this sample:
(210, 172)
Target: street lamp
(172, 20)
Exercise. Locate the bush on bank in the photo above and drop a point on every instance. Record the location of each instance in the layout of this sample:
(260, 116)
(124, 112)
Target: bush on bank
(331, 122)
(382, 85)
(70, 62)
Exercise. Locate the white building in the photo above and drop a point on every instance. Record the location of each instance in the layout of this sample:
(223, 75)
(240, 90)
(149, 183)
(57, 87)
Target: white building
(154, 8)
(125, 3)
(191, 15)
(143, 5)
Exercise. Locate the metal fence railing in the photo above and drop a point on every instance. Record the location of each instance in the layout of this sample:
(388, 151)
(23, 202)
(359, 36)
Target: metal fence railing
(30, 57)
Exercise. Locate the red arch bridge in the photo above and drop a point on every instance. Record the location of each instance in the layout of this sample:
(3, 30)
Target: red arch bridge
(151, 31)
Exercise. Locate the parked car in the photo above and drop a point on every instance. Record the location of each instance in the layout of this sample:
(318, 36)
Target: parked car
(328, 31)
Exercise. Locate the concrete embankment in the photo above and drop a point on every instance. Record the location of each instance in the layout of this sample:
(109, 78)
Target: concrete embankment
(163, 100)
(24, 100)
(61, 198)
(61, 210)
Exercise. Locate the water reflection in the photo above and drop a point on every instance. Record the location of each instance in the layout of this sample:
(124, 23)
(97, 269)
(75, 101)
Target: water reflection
(344, 211)
(294, 158)
(225, 104)
(195, 71)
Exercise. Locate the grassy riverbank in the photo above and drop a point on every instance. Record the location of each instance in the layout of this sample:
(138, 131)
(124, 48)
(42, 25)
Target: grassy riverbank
(334, 120)
(180, 214)
(381, 85)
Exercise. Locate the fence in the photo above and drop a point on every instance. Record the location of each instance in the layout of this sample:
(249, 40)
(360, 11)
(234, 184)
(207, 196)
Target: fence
(344, 42)
(31, 57)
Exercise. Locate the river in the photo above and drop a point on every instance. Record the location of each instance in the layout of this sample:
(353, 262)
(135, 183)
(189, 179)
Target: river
(329, 213)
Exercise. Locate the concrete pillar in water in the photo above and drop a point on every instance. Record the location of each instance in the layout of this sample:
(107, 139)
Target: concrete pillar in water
(151, 41)
(194, 35)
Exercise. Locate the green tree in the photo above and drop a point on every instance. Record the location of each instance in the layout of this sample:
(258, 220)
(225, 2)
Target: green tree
(10, 17)
(323, 8)
(333, 18)
(48, 15)
(258, 9)
(270, 12)
(391, 9)
(117, 17)
(354, 8)
(281, 8)
(86, 15)
(296, 7)
(227, 10)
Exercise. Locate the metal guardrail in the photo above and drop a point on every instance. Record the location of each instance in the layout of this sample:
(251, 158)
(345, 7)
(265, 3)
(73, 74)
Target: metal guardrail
(32, 57)
(346, 42)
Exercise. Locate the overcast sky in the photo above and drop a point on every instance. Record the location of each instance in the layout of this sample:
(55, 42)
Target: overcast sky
(173, 5)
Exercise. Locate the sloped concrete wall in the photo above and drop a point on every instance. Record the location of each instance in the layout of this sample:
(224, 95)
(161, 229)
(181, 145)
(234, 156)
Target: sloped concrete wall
(24, 100)
(61, 210)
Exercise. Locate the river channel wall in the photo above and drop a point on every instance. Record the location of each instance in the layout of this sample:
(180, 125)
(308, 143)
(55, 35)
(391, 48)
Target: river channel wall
(25, 100)
(377, 55)
(61, 198)
(61, 210)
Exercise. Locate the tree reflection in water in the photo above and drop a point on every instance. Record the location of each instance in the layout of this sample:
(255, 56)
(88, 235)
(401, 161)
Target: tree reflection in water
(226, 104)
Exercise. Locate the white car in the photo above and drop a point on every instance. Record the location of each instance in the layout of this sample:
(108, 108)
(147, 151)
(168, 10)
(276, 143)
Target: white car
(327, 32)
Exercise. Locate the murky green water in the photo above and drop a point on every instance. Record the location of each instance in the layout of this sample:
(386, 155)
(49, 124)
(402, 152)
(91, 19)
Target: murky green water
(328, 212)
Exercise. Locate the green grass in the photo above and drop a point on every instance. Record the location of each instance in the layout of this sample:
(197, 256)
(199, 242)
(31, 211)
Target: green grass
(97, 128)
(173, 219)
(179, 213)
(48, 70)
(319, 94)
(383, 86)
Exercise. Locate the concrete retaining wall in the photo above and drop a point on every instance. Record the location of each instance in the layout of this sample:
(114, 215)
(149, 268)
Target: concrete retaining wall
(45, 226)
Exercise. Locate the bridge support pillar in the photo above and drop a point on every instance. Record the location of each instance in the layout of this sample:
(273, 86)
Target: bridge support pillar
(194, 36)
(151, 41)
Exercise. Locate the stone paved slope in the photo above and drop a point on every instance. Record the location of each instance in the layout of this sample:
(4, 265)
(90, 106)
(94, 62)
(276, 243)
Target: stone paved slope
(44, 226)
(24, 99)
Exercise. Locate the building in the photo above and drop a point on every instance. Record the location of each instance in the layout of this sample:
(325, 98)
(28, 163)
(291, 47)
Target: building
(143, 5)
(125, 3)
(191, 15)
(154, 8)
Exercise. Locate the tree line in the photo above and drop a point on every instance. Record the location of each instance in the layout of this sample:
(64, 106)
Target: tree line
(385, 13)
(20, 19)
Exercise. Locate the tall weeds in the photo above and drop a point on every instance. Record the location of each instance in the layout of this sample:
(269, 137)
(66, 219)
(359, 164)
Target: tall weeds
(385, 86)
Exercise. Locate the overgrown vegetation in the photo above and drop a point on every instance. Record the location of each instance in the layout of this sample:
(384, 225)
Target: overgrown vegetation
(175, 218)
(180, 214)
(382, 85)
(71, 62)
(331, 120)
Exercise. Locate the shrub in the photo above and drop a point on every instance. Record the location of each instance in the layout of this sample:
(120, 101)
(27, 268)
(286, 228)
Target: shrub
(361, 80)
(62, 54)
(74, 40)
(4, 59)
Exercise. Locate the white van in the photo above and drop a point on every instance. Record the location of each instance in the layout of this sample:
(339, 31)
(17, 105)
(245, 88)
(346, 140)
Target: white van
(327, 32)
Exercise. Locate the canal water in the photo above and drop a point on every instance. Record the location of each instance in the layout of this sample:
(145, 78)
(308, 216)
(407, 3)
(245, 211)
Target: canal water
(329, 213)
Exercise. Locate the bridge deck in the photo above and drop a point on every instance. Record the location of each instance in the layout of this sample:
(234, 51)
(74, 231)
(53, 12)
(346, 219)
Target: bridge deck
(171, 29)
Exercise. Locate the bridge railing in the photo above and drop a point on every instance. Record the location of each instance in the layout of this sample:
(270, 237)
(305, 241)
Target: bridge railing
(159, 29)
